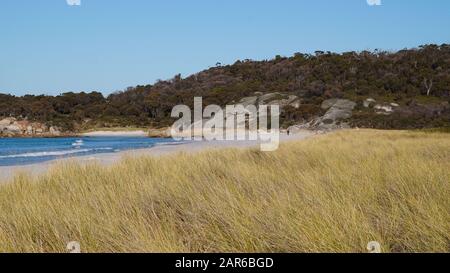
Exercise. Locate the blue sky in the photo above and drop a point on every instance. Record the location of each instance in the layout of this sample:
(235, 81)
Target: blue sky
(49, 47)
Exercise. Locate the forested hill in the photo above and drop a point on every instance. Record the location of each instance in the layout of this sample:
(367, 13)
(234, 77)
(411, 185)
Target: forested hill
(417, 80)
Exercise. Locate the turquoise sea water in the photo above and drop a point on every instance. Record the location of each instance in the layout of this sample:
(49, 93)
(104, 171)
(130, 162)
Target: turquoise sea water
(23, 151)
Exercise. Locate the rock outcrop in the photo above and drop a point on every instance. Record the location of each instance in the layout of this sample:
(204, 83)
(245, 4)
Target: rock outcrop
(369, 102)
(338, 110)
(160, 132)
(11, 127)
(276, 98)
(380, 108)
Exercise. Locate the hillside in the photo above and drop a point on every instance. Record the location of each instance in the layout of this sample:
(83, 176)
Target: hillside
(402, 90)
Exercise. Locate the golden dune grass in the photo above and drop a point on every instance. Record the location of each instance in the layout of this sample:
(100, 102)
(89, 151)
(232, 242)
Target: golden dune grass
(333, 193)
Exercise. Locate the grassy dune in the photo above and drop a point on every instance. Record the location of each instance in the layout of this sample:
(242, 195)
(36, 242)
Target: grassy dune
(333, 193)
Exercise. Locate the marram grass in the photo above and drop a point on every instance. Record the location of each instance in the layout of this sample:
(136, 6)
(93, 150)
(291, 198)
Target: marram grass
(333, 193)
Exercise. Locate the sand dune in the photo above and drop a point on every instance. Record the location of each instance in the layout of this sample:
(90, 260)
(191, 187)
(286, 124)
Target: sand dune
(8, 172)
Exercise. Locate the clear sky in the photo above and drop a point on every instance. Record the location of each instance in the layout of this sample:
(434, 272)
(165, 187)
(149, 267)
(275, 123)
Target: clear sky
(49, 47)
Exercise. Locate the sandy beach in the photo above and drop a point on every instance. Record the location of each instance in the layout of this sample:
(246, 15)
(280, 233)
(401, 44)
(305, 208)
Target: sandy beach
(8, 172)
(115, 133)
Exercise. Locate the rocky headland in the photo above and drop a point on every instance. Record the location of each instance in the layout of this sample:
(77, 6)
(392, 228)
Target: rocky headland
(12, 127)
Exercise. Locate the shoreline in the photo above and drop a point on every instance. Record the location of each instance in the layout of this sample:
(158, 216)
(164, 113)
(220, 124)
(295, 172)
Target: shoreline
(7, 173)
(96, 133)
(105, 133)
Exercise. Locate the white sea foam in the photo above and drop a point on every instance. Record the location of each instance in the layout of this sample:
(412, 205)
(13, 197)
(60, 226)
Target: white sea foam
(53, 153)
(78, 143)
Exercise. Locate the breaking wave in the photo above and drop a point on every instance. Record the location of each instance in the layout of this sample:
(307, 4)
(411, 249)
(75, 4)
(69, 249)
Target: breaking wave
(54, 153)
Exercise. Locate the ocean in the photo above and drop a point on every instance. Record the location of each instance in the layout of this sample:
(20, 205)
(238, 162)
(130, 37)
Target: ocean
(24, 151)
